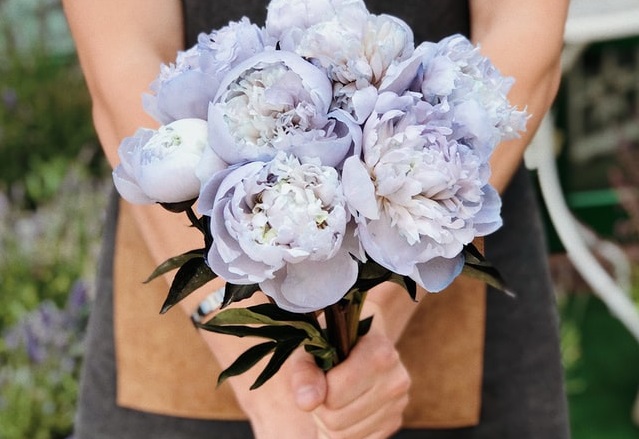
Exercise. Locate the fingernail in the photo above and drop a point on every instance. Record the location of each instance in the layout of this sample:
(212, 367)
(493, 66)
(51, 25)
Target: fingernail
(307, 397)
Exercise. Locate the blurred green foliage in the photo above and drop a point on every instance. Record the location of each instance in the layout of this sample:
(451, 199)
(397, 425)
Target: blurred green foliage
(53, 188)
(41, 358)
(45, 123)
(602, 376)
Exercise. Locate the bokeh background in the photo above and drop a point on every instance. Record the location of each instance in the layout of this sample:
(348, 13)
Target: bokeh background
(54, 182)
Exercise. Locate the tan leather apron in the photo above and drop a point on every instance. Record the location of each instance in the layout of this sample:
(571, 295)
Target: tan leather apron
(164, 367)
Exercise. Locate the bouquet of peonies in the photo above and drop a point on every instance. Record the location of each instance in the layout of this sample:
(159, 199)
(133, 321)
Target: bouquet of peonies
(327, 154)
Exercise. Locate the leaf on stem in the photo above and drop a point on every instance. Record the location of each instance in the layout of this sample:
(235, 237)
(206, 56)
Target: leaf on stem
(265, 314)
(281, 353)
(364, 326)
(174, 263)
(179, 207)
(273, 332)
(235, 293)
(476, 266)
(247, 360)
(191, 276)
(370, 275)
(472, 255)
(325, 357)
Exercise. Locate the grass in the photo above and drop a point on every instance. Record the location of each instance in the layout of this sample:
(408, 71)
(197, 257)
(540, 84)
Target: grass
(603, 377)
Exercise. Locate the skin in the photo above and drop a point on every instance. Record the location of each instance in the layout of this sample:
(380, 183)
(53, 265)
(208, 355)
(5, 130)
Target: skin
(121, 44)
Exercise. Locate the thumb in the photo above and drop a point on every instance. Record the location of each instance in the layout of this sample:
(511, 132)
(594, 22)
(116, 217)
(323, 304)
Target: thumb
(308, 383)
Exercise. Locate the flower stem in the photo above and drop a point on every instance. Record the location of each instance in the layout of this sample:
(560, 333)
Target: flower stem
(337, 329)
(342, 323)
(195, 221)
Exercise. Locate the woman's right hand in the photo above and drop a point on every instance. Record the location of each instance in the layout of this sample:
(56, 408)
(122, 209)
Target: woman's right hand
(272, 409)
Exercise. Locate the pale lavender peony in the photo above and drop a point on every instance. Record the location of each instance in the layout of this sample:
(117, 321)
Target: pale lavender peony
(419, 195)
(357, 51)
(160, 166)
(185, 88)
(457, 74)
(181, 90)
(281, 224)
(224, 48)
(286, 20)
(277, 101)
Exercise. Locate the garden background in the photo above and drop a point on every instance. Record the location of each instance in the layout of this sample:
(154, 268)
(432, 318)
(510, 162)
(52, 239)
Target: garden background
(53, 187)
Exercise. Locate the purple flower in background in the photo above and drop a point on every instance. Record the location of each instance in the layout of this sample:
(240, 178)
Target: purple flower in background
(9, 98)
(50, 334)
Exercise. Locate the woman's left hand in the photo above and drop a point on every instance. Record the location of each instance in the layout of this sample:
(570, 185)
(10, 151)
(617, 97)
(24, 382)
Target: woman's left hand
(363, 397)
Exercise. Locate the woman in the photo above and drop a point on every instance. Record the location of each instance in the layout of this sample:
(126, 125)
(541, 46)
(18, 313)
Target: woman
(121, 44)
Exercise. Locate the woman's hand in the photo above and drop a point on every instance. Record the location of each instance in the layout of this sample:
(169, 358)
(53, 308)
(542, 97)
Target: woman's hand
(363, 397)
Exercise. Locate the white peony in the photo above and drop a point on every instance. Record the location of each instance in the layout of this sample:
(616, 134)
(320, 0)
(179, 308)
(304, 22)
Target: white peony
(160, 165)
(357, 51)
(281, 224)
(277, 101)
(420, 196)
(292, 17)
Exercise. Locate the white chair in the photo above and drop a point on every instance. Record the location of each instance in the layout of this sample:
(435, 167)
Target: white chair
(589, 21)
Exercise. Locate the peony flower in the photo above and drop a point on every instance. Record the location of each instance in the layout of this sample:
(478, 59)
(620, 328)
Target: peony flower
(160, 166)
(277, 101)
(223, 49)
(357, 51)
(185, 88)
(181, 90)
(281, 224)
(476, 93)
(286, 17)
(419, 195)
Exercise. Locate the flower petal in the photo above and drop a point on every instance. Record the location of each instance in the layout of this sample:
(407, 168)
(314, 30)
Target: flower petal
(128, 188)
(359, 189)
(438, 273)
(312, 285)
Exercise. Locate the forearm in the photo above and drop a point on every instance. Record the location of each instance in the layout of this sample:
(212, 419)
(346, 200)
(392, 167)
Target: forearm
(524, 40)
(120, 55)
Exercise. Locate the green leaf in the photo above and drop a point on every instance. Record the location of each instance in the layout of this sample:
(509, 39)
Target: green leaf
(370, 275)
(281, 353)
(247, 360)
(180, 207)
(235, 293)
(175, 262)
(273, 332)
(488, 274)
(276, 313)
(473, 256)
(364, 326)
(371, 270)
(325, 357)
(191, 276)
(259, 315)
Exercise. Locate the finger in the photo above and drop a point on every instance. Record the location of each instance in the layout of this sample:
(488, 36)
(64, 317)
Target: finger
(371, 360)
(387, 399)
(308, 382)
(381, 424)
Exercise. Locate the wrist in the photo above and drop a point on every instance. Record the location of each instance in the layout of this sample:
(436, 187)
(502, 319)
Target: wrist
(391, 308)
